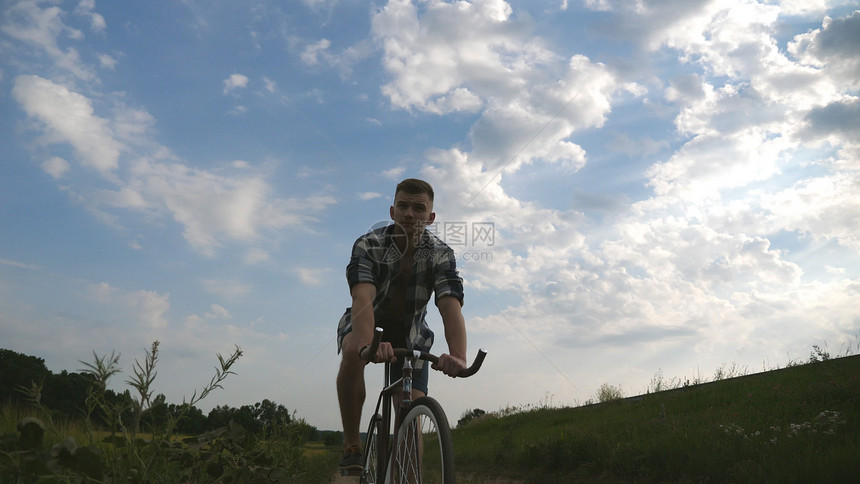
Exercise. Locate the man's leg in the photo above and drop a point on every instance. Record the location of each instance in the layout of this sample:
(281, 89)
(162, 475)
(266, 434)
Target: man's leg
(351, 394)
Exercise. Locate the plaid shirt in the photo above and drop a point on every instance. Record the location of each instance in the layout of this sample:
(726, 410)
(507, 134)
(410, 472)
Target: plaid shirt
(376, 259)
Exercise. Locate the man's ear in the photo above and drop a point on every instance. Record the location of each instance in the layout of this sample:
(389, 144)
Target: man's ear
(391, 212)
(431, 218)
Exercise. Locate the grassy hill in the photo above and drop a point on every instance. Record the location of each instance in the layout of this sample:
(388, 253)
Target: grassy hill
(798, 424)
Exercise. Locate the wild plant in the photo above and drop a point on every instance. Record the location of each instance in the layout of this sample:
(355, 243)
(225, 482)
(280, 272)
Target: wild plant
(725, 372)
(124, 457)
(144, 376)
(817, 354)
(609, 393)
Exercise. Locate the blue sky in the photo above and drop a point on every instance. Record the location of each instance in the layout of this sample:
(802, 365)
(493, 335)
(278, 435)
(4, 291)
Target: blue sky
(671, 186)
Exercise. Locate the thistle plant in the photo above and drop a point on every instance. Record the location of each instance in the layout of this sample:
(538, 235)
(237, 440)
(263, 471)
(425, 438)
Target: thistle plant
(101, 369)
(144, 376)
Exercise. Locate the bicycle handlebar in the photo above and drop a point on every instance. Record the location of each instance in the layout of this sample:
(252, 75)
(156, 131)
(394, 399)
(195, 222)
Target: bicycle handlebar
(368, 352)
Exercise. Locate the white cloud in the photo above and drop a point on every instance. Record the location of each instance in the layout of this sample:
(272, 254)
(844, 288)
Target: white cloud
(228, 288)
(536, 123)
(693, 262)
(256, 256)
(147, 308)
(311, 53)
(394, 173)
(41, 28)
(439, 60)
(528, 239)
(107, 61)
(68, 117)
(687, 88)
(125, 197)
(835, 270)
(86, 8)
(311, 276)
(232, 204)
(823, 208)
(55, 166)
(320, 53)
(206, 204)
(832, 48)
(20, 265)
(800, 7)
(642, 146)
(216, 311)
(270, 85)
(368, 196)
(318, 4)
(238, 110)
(132, 126)
(235, 81)
(473, 57)
(708, 164)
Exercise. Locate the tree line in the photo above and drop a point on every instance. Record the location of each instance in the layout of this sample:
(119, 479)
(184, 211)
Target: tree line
(24, 378)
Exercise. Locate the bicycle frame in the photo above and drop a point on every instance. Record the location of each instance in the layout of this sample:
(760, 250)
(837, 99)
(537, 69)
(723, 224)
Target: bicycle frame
(383, 421)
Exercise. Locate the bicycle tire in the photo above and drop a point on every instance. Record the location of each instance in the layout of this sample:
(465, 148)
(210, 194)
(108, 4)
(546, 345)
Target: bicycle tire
(370, 473)
(435, 452)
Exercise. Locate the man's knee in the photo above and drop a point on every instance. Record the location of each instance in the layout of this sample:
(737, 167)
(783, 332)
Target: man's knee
(350, 348)
(350, 362)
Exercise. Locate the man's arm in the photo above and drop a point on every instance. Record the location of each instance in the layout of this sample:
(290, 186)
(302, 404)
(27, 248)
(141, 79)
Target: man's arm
(363, 322)
(455, 334)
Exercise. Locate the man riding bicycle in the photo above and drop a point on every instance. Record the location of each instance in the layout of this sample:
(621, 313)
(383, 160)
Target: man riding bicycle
(391, 274)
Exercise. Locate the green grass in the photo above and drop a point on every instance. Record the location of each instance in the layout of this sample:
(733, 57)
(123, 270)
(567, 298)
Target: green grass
(799, 424)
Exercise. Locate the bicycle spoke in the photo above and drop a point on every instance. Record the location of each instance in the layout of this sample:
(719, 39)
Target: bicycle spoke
(423, 454)
(409, 454)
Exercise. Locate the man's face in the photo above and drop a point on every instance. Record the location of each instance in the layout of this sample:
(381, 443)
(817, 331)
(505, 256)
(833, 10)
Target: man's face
(411, 212)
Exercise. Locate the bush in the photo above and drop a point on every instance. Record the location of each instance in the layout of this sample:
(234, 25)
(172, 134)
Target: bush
(608, 393)
(470, 415)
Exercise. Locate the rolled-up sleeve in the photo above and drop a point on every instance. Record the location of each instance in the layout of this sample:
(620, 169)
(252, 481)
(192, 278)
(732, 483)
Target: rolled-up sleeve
(447, 280)
(361, 267)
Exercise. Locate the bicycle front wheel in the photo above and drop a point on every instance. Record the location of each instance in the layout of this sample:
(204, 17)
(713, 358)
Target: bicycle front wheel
(423, 452)
(370, 473)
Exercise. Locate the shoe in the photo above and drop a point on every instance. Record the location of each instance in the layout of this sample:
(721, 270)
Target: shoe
(351, 458)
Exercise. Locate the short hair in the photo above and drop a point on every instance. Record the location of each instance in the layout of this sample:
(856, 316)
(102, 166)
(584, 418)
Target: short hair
(414, 186)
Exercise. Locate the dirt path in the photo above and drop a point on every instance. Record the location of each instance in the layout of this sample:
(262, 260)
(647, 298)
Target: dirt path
(339, 479)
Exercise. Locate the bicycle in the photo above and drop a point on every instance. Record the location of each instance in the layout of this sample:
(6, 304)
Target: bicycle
(423, 450)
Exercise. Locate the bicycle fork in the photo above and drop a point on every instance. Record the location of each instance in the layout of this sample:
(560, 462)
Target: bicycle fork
(396, 473)
(385, 445)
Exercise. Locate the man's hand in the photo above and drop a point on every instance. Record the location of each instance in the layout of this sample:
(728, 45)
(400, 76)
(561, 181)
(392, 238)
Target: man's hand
(384, 352)
(450, 365)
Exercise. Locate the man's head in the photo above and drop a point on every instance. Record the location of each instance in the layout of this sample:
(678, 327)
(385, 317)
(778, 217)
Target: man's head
(414, 186)
(413, 207)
